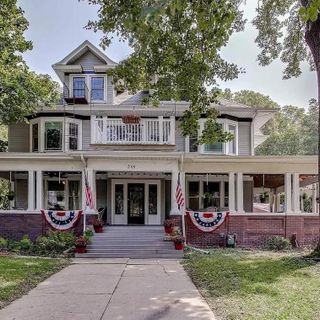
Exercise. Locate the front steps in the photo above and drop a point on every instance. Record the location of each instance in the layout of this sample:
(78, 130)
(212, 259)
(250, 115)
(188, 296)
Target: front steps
(135, 242)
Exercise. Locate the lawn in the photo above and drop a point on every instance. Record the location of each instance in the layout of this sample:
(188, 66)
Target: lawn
(257, 285)
(18, 275)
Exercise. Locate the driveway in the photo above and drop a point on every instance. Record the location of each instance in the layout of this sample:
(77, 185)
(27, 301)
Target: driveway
(113, 289)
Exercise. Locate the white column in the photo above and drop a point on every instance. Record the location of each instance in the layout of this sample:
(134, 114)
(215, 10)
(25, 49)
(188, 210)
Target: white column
(92, 184)
(39, 190)
(160, 119)
(30, 190)
(287, 190)
(295, 193)
(174, 180)
(231, 192)
(83, 188)
(240, 192)
(278, 202)
(314, 198)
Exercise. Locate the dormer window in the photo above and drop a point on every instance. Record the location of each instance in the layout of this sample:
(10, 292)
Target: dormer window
(79, 85)
(97, 88)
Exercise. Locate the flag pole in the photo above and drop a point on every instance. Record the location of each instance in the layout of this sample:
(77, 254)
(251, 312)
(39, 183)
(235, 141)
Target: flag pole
(85, 206)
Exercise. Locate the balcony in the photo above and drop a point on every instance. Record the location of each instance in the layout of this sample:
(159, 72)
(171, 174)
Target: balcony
(78, 95)
(157, 131)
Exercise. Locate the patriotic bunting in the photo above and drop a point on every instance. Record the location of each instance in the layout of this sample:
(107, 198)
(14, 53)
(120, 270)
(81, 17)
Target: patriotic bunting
(207, 221)
(61, 220)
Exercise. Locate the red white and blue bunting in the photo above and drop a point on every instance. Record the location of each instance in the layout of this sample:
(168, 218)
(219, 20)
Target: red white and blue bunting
(208, 221)
(61, 220)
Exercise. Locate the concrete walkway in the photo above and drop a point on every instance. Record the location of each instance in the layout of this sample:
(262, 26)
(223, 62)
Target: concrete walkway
(113, 289)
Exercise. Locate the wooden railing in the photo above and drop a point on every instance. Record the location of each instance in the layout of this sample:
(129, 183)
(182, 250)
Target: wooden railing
(157, 131)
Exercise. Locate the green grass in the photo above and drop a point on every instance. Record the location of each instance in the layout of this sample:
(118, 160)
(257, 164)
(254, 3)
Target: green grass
(19, 275)
(257, 285)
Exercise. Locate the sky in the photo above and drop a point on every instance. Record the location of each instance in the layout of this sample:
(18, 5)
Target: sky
(56, 27)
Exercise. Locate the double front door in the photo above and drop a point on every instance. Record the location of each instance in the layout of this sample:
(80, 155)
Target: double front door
(135, 201)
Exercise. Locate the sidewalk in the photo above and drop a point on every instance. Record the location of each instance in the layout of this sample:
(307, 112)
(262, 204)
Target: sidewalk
(113, 289)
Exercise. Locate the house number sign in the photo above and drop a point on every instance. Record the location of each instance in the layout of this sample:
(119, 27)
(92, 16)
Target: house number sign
(131, 166)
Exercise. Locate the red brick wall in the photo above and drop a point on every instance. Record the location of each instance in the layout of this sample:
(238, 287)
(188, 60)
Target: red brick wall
(253, 230)
(15, 225)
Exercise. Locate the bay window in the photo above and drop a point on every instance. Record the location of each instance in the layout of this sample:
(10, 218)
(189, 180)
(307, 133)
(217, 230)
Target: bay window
(73, 136)
(53, 135)
(35, 137)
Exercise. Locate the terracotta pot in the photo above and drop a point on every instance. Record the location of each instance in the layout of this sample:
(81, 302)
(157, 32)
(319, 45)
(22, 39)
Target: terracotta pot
(98, 229)
(81, 249)
(168, 230)
(179, 246)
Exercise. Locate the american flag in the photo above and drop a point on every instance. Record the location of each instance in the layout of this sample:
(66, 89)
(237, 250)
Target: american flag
(89, 198)
(179, 194)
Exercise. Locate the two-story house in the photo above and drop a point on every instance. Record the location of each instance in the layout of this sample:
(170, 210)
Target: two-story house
(133, 155)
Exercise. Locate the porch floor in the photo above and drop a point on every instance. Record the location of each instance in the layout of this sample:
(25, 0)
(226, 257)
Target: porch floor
(139, 242)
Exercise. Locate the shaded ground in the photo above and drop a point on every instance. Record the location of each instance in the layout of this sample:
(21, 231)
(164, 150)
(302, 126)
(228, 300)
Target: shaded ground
(18, 275)
(257, 285)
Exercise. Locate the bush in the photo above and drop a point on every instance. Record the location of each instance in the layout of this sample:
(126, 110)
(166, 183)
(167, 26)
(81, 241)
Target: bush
(87, 235)
(3, 244)
(14, 246)
(25, 243)
(277, 243)
(56, 242)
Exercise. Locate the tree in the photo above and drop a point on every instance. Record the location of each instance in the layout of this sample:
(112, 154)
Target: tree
(250, 98)
(21, 90)
(176, 51)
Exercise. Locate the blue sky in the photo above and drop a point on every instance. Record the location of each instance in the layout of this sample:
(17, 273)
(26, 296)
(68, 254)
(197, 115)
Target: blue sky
(57, 27)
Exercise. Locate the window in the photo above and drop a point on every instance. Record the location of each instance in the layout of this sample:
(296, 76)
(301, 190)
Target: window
(119, 199)
(73, 136)
(53, 135)
(97, 88)
(232, 143)
(211, 194)
(214, 147)
(153, 199)
(56, 195)
(79, 84)
(35, 137)
(194, 195)
(193, 143)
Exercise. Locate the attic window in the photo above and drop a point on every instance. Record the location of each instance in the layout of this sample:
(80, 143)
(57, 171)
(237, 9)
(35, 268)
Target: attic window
(97, 88)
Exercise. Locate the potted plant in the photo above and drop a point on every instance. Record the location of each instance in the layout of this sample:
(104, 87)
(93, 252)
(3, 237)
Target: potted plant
(179, 242)
(10, 195)
(98, 225)
(168, 226)
(81, 245)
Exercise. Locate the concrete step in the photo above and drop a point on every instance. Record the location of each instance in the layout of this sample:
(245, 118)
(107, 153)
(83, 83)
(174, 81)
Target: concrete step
(178, 255)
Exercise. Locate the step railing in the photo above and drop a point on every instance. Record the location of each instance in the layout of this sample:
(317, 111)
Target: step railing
(157, 131)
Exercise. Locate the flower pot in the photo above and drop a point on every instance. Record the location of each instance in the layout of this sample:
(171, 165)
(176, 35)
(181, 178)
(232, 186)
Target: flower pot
(168, 230)
(98, 229)
(81, 249)
(179, 246)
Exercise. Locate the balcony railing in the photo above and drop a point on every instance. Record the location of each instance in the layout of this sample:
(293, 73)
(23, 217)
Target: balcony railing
(158, 131)
(79, 94)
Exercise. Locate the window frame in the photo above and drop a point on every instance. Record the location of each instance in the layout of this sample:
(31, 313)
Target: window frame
(104, 87)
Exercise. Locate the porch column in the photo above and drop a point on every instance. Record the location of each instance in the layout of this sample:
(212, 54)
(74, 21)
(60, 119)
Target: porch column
(92, 184)
(174, 206)
(314, 198)
(83, 188)
(287, 190)
(30, 190)
(295, 193)
(39, 196)
(278, 202)
(231, 192)
(240, 192)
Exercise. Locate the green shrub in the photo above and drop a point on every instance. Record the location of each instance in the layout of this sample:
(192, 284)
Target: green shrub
(25, 243)
(277, 243)
(56, 242)
(87, 235)
(3, 243)
(14, 246)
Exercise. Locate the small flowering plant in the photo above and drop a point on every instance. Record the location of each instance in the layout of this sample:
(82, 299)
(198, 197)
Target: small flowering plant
(97, 222)
(81, 242)
(168, 223)
(179, 240)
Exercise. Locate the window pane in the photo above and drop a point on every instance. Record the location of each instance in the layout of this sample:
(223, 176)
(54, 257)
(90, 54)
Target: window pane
(97, 88)
(53, 135)
(73, 136)
(193, 145)
(74, 195)
(119, 199)
(56, 195)
(232, 143)
(153, 199)
(216, 147)
(79, 87)
(194, 195)
(35, 140)
(226, 194)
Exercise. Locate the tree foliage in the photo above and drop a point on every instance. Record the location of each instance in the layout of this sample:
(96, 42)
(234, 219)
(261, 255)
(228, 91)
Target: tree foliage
(21, 90)
(176, 50)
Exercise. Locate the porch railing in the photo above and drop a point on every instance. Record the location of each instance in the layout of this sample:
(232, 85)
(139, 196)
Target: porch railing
(157, 131)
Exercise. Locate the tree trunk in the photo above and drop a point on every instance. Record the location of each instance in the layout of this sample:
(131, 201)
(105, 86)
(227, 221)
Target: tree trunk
(312, 37)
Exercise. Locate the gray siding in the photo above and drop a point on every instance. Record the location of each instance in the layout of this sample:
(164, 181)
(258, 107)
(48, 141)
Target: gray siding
(86, 139)
(244, 138)
(110, 90)
(180, 140)
(18, 137)
(88, 59)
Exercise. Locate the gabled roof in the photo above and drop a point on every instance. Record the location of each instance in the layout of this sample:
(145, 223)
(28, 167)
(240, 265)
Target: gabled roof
(80, 50)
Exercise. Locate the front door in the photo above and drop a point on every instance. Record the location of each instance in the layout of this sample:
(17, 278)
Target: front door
(135, 203)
